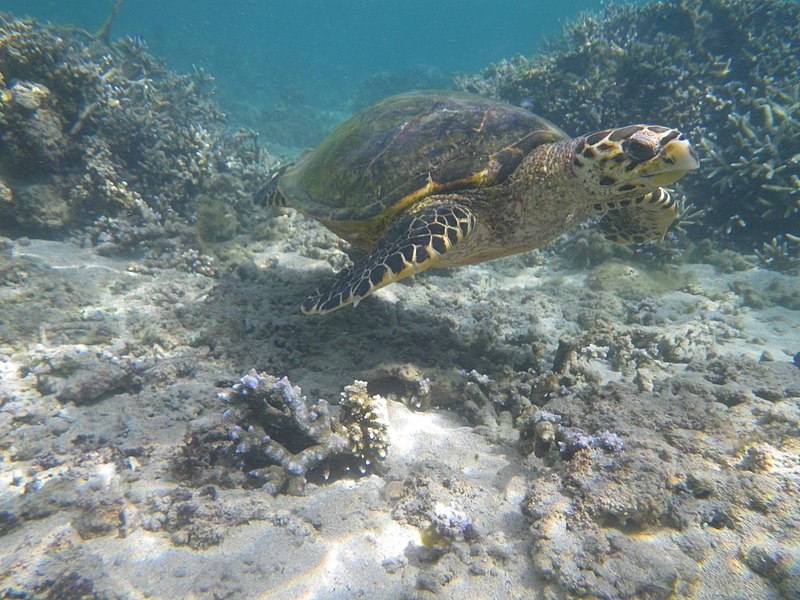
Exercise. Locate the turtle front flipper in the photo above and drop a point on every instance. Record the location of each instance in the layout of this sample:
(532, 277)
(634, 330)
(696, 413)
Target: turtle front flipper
(412, 244)
(640, 220)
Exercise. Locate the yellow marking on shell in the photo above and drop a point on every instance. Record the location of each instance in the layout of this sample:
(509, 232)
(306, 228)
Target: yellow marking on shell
(482, 178)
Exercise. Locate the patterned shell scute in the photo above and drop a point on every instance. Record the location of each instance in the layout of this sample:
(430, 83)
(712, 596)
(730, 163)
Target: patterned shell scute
(388, 153)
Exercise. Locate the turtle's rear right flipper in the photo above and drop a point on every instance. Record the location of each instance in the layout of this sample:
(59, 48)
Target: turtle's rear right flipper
(644, 219)
(269, 194)
(411, 245)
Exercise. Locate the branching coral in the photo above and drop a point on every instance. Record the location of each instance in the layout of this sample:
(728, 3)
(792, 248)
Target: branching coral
(780, 254)
(724, 71)
(115, 136)
(281, 437)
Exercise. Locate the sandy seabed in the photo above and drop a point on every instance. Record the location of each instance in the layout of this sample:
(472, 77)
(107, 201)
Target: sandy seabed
(109, 379)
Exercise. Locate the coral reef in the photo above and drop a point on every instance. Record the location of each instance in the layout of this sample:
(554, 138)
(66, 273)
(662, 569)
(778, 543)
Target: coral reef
(104, 136)
(365, 420)
(629, 446)
(280, 437)
(626, 427)
(724, 71)
(487, 404)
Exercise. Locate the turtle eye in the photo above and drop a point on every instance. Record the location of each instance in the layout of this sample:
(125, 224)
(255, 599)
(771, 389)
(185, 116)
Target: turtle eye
(639, 150)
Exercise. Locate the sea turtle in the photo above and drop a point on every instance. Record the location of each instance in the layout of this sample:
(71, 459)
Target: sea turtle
(441, 179)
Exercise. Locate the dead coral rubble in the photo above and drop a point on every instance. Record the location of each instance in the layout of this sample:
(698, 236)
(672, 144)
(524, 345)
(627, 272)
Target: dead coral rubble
(724, 71)
(105, 136)
(281, 437)
(706, 454)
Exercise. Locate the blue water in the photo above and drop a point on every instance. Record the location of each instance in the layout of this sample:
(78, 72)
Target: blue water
(322, 50)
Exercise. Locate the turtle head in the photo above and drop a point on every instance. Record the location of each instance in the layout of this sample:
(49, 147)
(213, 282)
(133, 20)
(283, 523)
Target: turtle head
(632, 161)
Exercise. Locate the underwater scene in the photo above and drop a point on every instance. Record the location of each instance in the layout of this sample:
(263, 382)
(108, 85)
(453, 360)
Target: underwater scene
(409, 300)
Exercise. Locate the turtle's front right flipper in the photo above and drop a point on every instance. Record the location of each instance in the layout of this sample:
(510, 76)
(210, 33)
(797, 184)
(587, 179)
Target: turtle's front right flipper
(410, 245)
(641, 220)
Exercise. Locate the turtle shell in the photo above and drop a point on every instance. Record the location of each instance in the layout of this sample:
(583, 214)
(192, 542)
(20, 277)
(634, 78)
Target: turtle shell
(406, 147)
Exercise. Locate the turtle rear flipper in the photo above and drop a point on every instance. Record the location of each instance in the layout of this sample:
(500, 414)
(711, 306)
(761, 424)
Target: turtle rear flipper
(412, 244)
(643, 219)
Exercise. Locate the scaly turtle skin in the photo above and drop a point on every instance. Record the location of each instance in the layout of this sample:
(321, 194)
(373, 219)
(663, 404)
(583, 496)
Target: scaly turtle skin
(441, 179)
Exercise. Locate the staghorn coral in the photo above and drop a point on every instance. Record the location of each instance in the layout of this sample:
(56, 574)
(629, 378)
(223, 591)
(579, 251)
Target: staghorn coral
(724, 71)
(780, 254)
(281, 437)
(120, 146)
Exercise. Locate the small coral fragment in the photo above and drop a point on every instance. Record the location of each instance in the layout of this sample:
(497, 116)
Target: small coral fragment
(281, 437)
(365, 419)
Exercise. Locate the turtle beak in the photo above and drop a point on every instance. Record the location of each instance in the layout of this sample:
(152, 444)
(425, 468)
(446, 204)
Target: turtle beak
(677, 158)
(681, 155)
